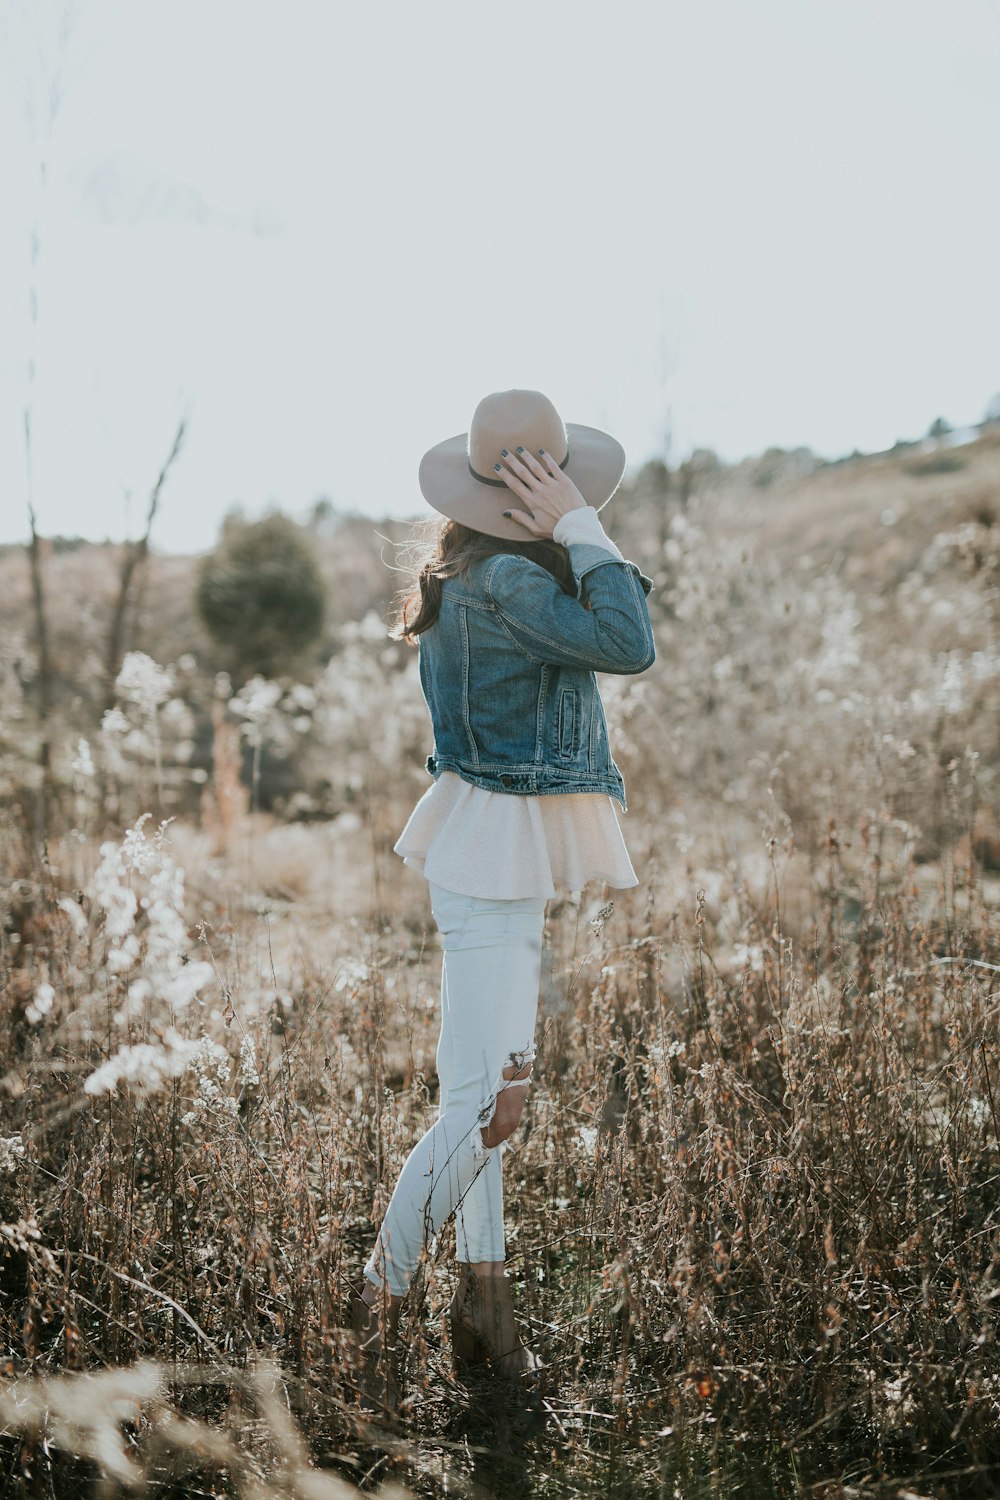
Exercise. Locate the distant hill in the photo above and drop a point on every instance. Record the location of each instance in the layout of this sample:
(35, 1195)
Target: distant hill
(872, 517)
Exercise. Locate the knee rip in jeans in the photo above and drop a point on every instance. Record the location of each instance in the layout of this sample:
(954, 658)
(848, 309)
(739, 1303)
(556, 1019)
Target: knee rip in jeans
(501, 1113)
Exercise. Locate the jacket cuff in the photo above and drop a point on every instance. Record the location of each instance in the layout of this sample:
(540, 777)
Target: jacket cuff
(584, 558)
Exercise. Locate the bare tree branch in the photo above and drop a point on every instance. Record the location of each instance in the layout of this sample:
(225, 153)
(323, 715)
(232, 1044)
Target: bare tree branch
(54, 95)
(133, 560)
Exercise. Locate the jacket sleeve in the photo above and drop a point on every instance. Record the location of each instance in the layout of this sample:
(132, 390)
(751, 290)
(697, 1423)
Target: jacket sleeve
(613, 635)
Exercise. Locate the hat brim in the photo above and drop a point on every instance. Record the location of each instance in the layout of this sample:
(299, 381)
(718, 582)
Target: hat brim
(596, 464)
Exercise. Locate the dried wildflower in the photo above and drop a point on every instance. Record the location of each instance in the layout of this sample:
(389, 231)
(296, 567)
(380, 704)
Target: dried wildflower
(11, 1152)
(257, 704)
(144, 682)
(145, 1067)
(841, 651)
(749, 955)
(41, 1004)
(114, 728)
(72, 909)
(597, 922)
(353, 972)
(153, 957)
(212, 1068)
(83, 765)
(949, 692)
(249, 1073)
(114, 722)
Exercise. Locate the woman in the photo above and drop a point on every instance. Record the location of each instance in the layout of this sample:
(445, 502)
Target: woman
(522, 598)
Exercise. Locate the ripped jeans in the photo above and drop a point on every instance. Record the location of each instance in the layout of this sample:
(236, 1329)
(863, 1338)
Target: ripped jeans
(490, 976)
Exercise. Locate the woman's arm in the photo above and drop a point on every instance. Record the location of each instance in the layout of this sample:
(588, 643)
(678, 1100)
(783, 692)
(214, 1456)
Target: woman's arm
(612, 634)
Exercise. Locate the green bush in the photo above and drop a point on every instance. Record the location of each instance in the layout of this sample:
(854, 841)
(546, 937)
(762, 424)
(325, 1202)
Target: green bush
(261, 595)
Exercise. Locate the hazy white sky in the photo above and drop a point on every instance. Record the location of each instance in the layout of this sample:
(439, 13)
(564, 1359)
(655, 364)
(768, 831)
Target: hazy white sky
(325, 230)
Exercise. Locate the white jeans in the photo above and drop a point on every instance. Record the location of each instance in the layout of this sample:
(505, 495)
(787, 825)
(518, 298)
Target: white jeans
(490, 975)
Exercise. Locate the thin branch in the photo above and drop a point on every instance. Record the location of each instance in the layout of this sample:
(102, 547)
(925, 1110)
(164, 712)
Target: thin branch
(133, 560)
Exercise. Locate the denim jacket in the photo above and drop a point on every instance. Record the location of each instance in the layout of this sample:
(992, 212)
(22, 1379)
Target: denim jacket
(507, 671)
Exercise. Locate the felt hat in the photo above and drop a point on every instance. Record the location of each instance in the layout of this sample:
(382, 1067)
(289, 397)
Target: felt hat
(457, 477)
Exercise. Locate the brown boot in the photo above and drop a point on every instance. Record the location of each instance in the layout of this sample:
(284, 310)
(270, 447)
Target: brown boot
(378, 1353)
(483, 1331)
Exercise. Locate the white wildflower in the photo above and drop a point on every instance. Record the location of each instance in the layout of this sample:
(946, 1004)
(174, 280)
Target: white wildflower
(984, 664)
(72, 909)
(841, 651)
(124, 955)
(352, 972)
(750, 955)
(302, 697)
(138, 743)
(249, 1073)
(41, 1004)
(371, 627)
(114, 722)
(114, 728)
(11, 1152)
(949, 692)
(177, 717)
(137, 853)
(211, 1065)
(161, 943)
(144, 682)
(145, 1067)
(166, 935)
(184, 986)
(108, 889)
(83, 765)
(256, 703)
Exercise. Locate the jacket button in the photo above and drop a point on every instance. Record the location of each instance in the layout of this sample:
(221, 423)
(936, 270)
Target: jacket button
(507, 780)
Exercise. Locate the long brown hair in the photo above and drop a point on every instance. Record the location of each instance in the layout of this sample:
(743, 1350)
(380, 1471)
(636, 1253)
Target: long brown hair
(442, 548)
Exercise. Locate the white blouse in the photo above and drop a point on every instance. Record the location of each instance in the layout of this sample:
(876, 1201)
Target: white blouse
(505, 845)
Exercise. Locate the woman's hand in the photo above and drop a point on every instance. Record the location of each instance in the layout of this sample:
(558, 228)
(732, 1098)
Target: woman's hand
(543, 487)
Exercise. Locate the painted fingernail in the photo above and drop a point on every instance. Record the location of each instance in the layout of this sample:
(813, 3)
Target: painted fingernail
(505, 453)
(542, 452)
(497, 467)
(508, 515)
(520, 450)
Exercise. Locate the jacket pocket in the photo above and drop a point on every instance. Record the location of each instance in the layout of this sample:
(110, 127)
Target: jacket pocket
(567, 722)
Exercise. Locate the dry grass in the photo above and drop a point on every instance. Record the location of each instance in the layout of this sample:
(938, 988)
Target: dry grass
(754, 1193)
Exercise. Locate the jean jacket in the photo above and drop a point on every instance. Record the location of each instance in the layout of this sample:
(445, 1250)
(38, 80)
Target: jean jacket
(507, 671)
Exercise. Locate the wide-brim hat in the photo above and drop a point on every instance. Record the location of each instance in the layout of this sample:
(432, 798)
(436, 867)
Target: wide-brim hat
(457, 477)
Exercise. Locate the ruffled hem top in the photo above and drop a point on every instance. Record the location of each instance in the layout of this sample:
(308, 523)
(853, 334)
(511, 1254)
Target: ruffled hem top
(505, 846)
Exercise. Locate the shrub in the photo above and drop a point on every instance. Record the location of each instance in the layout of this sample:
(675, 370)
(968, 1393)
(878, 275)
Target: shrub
(261, 596)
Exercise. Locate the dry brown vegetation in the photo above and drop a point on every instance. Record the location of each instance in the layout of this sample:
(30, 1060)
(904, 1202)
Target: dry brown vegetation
(755, 1226)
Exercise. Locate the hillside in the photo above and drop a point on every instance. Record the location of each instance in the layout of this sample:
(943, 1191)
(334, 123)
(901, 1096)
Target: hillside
(826, 650)
(873, 519)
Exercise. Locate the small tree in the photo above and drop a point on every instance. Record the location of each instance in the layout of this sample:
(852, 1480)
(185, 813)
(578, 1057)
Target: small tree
(939, 428)
(261, 595)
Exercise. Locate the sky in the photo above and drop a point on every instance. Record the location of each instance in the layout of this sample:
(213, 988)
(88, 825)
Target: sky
(320, 232)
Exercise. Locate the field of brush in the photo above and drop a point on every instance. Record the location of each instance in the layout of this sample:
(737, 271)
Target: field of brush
(753, 1202)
